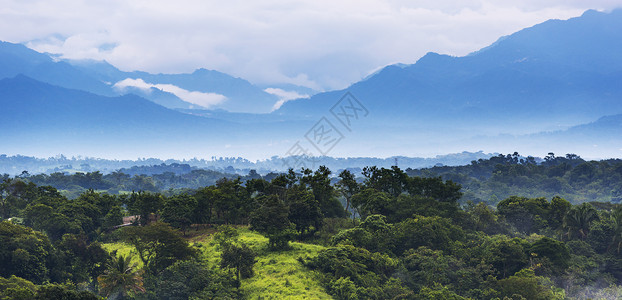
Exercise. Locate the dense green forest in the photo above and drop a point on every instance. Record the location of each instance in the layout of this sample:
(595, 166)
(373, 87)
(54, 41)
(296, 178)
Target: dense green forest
(440, 233)
(485, 180)
(569, 176)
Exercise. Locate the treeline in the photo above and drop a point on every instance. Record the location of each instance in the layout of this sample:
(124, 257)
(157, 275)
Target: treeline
(72, 185)
(484, 180)
(569, 176)
(390, 236)
(14, 165)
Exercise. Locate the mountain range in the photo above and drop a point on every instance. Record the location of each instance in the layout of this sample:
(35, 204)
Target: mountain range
(550, 76)
(168, 90)
(556, 86)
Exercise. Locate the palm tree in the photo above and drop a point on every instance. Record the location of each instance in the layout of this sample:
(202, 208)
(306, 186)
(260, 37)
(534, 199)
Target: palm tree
(616, 217)
(120, 277)
(579, 218)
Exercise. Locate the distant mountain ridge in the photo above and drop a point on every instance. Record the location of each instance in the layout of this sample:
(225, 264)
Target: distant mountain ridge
(558, 73)
(242, 96)
(99, 77)
(556, 86)
(17, 59)
(38, 116)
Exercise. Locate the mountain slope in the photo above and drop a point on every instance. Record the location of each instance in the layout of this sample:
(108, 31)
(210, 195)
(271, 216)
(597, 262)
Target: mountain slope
(40, 117)
(242, 96)
(552, 75)
(528, 92)
(99, 77)
(17, 59)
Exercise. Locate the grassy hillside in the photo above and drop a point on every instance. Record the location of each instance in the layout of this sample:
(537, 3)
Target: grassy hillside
(278, 275)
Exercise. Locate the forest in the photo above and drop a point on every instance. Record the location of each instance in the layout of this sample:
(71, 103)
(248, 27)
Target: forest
(507, 227)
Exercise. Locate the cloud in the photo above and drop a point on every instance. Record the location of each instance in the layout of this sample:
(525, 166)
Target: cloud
(284, 96)
(206, 100)
(316, 43)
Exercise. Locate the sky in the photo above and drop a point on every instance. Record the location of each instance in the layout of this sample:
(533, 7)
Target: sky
(319, 44)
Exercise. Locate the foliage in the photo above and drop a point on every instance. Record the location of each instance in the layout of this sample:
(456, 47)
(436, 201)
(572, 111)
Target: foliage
(16, 288)
(438, 292)
(192, 279)
(24, 253)
(120, 278)
(158, 246)
(555, 251)
(578, 220)
(238, 257)
(355, 273)
(499, 177)
(414, 241)
(82, 261)
(271, 219)
(178, 211)
(528, 286)
(63, 291)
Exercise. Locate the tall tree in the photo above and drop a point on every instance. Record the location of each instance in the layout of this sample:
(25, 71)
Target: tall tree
(178, 211)
(158, 245)
(304, 211)
(120, 278)
(323, 191)
(271, 219)
(205, 198)
(145, 204)
(347, 186)
(579, 219)
(616, 217)
(238, 257)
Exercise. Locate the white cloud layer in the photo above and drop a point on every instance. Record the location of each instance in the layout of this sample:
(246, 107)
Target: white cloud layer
(316, 43)
(206, 100)
(284, 96)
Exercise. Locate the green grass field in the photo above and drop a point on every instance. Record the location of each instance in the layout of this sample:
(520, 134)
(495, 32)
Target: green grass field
(278, 274)
(125, 250)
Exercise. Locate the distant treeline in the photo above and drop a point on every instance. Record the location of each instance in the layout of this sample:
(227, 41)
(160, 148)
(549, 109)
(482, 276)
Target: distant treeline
(483, 180)
(15, 165)
(72, 185)
(569, 176)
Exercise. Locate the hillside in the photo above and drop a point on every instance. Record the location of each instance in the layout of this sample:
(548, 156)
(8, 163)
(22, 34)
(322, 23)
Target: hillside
(17, 59)
(547, 77)
(241, 95)
(278, 275)
(407, 237)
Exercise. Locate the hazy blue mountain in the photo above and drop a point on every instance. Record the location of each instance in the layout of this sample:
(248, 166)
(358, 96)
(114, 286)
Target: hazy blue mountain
(38, 117)
(544, 88)
(99, 77)
(18, 59)
(166, 99)
(242, 96)
(550, 76)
